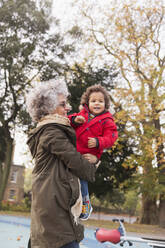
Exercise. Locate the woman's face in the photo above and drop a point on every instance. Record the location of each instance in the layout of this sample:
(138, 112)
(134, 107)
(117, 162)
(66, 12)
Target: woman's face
(63, 106)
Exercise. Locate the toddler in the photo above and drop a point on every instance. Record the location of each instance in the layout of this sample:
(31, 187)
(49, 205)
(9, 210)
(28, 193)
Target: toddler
(95, 131)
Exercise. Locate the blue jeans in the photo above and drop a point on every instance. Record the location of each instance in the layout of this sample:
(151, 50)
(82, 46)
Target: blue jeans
(73, 244)
(84, 188)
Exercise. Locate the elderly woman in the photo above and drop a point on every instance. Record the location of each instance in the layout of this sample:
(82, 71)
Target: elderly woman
(56, 197)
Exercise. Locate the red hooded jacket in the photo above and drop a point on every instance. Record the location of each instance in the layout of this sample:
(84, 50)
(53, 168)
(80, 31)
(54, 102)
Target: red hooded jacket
(101, 127)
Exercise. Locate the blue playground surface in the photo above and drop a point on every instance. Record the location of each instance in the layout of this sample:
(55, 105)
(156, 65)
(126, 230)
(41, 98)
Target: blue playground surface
(14, 233)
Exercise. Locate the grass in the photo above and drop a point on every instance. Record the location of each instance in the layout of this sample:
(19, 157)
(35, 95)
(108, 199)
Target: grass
(135, 228)
(15, 213)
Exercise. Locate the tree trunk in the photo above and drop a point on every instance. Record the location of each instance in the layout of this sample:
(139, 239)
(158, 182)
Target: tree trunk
(5, 168)
(162, 197)
(149, 213)
(161, 167)
(162, 212)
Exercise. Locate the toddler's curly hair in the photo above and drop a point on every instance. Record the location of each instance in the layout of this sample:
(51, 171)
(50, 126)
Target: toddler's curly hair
(92, 89)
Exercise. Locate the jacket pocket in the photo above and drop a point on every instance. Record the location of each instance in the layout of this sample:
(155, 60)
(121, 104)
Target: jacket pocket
(75, 190)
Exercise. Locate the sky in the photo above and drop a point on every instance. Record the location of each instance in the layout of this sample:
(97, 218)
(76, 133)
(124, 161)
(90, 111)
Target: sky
(62, 8)
(64, 11)
(21, 149)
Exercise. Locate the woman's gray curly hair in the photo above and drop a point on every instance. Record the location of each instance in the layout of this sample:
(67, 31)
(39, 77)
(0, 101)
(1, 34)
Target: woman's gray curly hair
(43, 98)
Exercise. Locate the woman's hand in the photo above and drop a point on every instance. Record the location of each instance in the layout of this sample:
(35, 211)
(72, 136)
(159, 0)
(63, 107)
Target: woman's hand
(91, 158)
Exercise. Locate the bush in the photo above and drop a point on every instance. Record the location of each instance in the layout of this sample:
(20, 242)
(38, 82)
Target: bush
(13, 206)
(131, 204)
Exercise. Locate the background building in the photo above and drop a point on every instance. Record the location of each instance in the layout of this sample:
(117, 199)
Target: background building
(15, 187)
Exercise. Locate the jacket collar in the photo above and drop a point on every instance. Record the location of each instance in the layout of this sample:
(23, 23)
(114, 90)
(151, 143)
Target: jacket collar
(54, 118)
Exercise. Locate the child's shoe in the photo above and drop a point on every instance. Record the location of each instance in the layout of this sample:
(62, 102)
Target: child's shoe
(86, 210)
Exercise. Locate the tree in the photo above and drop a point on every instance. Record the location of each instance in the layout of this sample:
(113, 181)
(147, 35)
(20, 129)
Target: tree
(111, 173)
(133, 40)
(131, 202)
(27, 48)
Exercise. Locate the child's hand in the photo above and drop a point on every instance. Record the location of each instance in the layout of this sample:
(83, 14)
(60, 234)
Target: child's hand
(79, 119)
(91, 142)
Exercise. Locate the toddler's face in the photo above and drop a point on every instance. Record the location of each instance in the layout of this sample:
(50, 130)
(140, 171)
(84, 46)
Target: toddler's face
(96, 103)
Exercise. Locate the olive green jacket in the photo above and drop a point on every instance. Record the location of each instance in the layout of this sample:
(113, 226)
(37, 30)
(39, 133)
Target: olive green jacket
(55, 185)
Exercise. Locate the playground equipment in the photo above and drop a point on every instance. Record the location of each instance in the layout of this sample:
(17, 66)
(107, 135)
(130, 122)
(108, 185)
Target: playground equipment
(119, 236)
